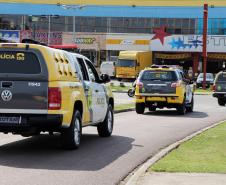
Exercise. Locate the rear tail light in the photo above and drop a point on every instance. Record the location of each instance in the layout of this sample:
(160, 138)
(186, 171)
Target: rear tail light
(140, 84)
(176, 84)
(54, 98)
(214, 88)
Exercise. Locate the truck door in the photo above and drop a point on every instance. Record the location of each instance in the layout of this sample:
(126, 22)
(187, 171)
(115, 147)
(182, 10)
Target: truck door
(99, 99)
(94, 92)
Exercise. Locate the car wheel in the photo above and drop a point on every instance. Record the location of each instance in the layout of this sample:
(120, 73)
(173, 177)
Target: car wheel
(221, 102)
(71, 137)
(181, 109)
(131, 92)
(140, 108)
(152, 108)
(105, 128)
(191, 106)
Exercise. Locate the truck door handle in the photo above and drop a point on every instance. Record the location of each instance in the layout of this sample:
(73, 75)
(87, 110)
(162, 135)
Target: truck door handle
(96, 91)
(7, 84)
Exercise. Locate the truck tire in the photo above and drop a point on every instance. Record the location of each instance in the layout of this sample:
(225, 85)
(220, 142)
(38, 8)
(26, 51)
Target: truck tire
(71, 137)
(140, 108)
(181, 109)
(105, 128)
(191, 106)
(221, 101)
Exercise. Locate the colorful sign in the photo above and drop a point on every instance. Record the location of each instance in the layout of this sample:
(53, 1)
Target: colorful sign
(12, 36)
(42, 36)
(188, 43)
(133, 42)
(84, 40)
(173, 56)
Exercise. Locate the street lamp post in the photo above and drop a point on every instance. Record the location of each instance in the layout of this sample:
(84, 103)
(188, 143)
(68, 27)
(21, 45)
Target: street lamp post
(73, 28)
(49, 25)
(72, 7)
(49, 29)
(204, 38)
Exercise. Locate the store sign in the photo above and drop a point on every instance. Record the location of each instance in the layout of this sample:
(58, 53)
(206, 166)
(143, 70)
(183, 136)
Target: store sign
(188, 43)
(42, 36)
(173, 56)
(85, 40)
(11, 36)
(218, 56)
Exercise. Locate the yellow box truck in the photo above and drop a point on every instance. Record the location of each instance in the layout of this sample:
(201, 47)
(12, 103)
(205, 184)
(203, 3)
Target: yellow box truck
(130, 63)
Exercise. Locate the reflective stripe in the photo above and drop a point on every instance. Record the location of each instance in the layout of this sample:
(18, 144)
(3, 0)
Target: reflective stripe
(24, 111)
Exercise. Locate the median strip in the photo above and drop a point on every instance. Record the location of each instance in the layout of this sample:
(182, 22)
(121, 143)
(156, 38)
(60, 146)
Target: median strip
(204, 153)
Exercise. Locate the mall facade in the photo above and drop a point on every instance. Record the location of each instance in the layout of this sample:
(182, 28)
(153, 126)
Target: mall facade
(100, 30)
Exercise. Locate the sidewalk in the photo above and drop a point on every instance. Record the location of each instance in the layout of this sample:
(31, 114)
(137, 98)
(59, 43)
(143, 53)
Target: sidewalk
(181, 179)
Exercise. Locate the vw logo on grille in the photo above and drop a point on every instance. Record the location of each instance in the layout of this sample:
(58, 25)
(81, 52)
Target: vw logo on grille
(6, 95)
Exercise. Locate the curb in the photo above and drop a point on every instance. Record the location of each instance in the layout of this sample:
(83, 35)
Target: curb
(133, 177)
(124, 110)
(119, 91)
(199, 93)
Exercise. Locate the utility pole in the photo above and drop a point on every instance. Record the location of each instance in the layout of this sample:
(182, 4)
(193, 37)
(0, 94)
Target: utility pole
(204, 39)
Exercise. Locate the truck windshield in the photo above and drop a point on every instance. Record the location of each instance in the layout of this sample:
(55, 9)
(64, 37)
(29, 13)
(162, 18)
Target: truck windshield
(159, 75)
(125, 63)
(19, 62)
(221, 77)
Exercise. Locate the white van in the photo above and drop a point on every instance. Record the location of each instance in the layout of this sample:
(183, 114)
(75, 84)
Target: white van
(108, 67)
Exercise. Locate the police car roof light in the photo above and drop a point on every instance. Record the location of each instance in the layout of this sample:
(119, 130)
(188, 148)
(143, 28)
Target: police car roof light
(154, 66)
(166, 67)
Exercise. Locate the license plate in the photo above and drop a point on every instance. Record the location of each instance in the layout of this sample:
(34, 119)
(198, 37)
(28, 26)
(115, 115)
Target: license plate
(12, 120)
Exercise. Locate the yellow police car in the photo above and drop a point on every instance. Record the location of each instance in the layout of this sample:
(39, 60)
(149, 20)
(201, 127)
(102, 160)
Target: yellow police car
(45, 89)
(163, 86)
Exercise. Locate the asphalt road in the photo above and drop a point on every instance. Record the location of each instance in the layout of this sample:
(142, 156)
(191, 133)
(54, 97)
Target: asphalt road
(41, 161)
(122, 98)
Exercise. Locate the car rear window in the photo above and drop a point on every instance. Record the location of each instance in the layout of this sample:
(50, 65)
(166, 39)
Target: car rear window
(222, 77)
(159, 75)
(19, 62)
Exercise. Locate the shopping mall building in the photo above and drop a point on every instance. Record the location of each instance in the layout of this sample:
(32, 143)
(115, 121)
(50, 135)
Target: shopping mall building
(171, 29)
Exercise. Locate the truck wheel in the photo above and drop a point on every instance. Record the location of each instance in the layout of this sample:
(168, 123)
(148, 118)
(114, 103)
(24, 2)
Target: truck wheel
(181, 109)
(105, 128)
(191, 106)
(140, 108)
(221, 101)
(71, 137)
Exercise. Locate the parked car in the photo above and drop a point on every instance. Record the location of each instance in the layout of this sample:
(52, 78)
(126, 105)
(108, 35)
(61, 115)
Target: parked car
(163, 86)
(108, 67)
(50, 90)
(209, 80)
(219, 88)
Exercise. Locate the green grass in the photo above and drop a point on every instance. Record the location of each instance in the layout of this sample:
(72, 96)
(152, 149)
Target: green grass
(203, 91)
(119, 88)
(125, 106)
(206, 153)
